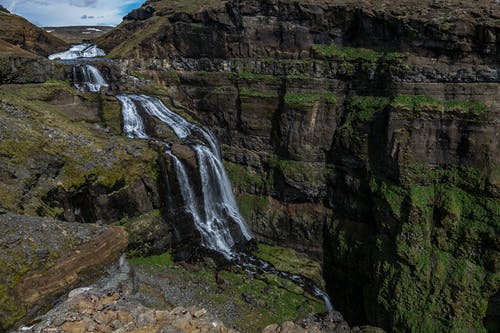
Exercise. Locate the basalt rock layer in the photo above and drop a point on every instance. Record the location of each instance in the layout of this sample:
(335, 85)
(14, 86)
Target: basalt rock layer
(363, 133)
(42, 259)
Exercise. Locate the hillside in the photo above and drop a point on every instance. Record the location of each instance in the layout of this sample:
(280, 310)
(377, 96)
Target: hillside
(19, 32)
(78, 34)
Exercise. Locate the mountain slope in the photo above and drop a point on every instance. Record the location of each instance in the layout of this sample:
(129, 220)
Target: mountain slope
(20, 32)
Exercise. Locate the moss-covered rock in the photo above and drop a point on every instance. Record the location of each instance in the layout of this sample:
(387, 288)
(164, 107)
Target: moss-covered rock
(248, 302)
(58, 161)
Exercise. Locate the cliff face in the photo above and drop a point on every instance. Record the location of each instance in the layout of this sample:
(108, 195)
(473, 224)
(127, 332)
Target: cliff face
(363, 133)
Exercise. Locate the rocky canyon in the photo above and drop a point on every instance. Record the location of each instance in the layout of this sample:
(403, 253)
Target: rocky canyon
(360, 138)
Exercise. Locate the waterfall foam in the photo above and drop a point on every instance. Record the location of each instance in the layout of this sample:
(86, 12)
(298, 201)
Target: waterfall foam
(79, 51)
(91, 78)
(133, 127)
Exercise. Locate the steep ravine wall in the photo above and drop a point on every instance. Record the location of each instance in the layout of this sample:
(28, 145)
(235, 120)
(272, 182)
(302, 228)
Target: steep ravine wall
(382, 164)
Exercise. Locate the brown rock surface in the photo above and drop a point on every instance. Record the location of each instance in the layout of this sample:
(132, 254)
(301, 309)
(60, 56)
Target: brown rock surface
(42, 259)
(18, 31)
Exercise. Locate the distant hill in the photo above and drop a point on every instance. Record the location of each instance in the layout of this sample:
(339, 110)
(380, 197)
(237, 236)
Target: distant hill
(19, 32)
(78, 34)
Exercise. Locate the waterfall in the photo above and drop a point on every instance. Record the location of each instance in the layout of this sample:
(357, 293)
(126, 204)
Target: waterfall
(133, 127)
(91, 78)
(79, 51)
(216, 239)
(220, 212)
(217, 189)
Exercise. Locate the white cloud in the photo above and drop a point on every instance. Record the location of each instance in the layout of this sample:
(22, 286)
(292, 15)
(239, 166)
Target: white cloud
(71, 12)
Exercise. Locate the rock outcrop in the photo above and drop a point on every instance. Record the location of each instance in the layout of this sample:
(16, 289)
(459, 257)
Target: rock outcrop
(42, 259)
(383, 164)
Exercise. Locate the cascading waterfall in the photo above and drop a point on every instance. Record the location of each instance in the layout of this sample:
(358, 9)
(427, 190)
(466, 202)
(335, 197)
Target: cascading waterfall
(91, 78)
(79, 51)
(133, 127)
(217, 188)
(216, 239)
(219, 205)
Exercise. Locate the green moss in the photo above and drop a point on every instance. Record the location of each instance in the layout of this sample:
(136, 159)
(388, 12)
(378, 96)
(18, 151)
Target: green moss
(390, 194)
(245, 179)
(420, 103)
(353, 54)
(259, 301)
(298, 99)
(111, 115)
(288, 260)
(260, 78)
(252, 205)
(365, 107)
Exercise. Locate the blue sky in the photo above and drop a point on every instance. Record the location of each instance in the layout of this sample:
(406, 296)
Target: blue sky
(46, 13)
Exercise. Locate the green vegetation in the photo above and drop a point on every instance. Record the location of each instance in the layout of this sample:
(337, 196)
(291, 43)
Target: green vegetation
(260, 78)
(309, 98)
(111, 115)
(350, 54)
(421, 103)
(361, 111)
(245, 179)
(252, 206)
(41, 131)
(260, 300)
(365, 107)
(156, 262)
(288, 260)
(181, 6)
(151, 28)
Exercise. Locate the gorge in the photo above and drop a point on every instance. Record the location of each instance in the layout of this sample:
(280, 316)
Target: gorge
(362, 135)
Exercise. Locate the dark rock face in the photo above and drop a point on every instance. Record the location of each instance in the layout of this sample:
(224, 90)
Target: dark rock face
(383, 164)
(140, 14)
(3, 9)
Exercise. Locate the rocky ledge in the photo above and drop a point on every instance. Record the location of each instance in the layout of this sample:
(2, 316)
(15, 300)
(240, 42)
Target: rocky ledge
(41, 259)
(117, 304)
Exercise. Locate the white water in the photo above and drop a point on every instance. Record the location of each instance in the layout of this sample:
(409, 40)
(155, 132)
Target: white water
(212, 238)
(217, 191)
(79, 51)
(92, 79)
(219, 205)
(133, 127)
(324, 296)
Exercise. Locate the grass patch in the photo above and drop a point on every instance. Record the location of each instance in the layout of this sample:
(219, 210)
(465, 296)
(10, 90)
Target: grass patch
(365, 107)
(351, 54)
(420, 103)
(288, 260)
(261, 78)
(309, 98)
(156, 262)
